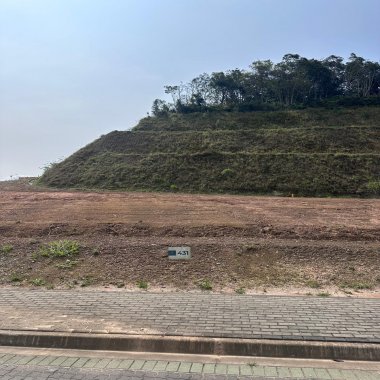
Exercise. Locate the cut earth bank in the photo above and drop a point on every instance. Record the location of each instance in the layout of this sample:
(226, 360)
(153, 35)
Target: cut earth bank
(273, 245)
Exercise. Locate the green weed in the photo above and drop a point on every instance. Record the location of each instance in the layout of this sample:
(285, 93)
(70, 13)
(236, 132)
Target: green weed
(6, 248)
(357, 285)
(374, 187)
(313, 284)
(141, 284)
(324, 294)
(60, 248)
(38, 282)
(205, 285)
(15, 277)
(87, 281)
(227, 172)
(68, 264)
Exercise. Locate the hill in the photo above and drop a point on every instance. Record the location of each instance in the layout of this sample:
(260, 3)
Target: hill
(302, 152)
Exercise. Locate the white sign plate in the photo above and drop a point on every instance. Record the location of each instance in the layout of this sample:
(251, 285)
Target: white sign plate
(179, 253)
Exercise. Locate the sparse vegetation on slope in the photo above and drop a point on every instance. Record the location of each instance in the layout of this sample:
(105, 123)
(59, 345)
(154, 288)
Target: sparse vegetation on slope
(306, 152)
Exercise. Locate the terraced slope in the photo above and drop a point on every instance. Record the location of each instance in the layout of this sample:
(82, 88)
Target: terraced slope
(308, 152)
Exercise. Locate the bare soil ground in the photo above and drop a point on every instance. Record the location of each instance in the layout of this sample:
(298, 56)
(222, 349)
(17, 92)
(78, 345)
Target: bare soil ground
(239, 243)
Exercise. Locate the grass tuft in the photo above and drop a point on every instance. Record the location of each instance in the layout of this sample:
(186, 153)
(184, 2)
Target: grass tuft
(240, 291)
(6, 248)
(313, 284)
(205, 285)
(38, 282)
(141, 284)
(324, 294)
(60, 248)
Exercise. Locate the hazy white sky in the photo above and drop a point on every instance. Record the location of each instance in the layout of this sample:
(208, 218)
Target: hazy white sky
(72, 70)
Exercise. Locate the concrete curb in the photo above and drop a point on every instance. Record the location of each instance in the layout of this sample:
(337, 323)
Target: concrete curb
(193, 345)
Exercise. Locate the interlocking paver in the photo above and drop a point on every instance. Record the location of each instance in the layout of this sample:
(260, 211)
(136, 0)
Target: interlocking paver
(240, 316)
(80, 363)
(47, 360)
(69, 362)
(221, 369)
(149, 365)
(309, 373)
(196, 368)
(173, 367)
(184, 367)
(323, 374)
(91, 363)
(160, 366)
(126, 363)
(209, 368)
(335, 374)
(270, 371)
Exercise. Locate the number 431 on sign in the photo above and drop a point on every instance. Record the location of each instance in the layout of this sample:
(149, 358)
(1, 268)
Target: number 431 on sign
(179, 253)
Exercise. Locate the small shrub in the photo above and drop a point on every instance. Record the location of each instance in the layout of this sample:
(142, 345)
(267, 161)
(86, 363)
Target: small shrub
(360, 285)
(173, 187)
(373, 187)
(15, 277)
(60, 248)
(38, 282)
(118, 284)
(205, 285)
(6, 248)
(313, 284)
(141, 284)
(249, 248)
(68, 264)
(324, 294)
(87, 281)
(356, 285)
(240, 291)
(227, 172)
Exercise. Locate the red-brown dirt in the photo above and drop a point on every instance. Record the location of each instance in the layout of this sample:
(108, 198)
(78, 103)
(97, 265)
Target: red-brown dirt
(237, 241)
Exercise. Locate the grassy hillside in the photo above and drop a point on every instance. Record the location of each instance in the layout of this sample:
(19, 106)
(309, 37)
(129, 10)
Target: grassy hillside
(310, 117)
(306, 152)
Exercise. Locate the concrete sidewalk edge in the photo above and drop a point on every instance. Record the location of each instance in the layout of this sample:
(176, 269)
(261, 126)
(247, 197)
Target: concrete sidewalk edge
(193, 345)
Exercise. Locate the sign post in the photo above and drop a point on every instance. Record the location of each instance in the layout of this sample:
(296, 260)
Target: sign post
(179, 253)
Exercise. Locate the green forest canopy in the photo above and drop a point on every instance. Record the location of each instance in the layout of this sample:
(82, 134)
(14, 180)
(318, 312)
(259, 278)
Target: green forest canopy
(295, 81)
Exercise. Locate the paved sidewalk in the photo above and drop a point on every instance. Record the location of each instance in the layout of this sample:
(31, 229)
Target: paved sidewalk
(40, 366)
(204, 315)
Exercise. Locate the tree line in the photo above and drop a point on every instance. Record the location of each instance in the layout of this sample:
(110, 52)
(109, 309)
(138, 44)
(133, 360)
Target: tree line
(295, 81)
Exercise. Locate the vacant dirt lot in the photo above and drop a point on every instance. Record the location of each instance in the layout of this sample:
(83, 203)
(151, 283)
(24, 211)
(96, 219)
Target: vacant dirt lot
(238, 242)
